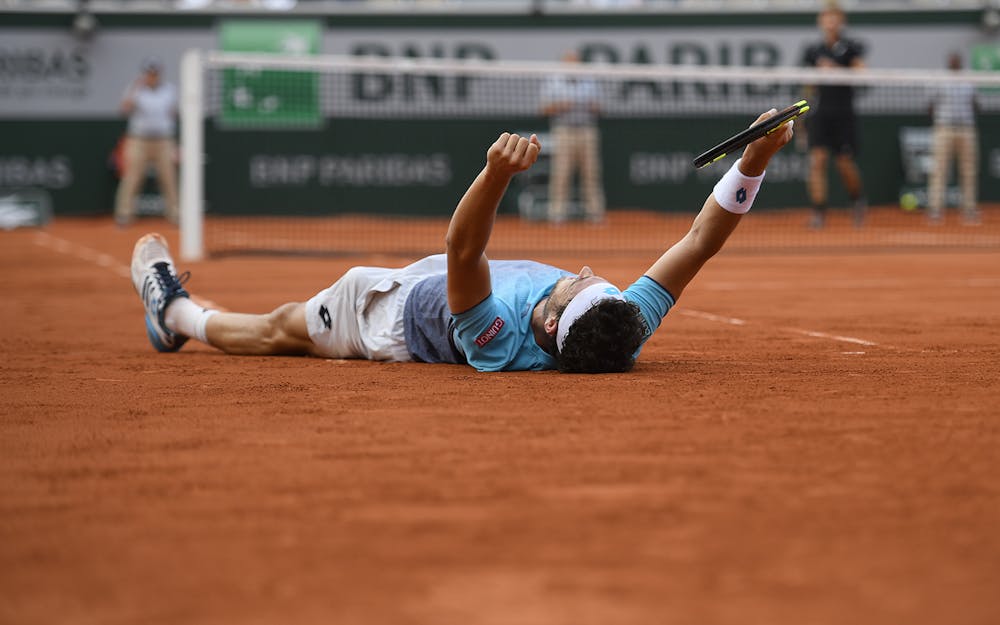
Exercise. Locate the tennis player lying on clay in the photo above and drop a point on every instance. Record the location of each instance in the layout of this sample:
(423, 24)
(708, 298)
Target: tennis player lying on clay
(460, 307)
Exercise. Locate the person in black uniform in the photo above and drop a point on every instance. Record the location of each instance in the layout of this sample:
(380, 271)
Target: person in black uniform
(832, 127)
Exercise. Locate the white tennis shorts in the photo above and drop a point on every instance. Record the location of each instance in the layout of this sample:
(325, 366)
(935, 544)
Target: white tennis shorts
(361, 314)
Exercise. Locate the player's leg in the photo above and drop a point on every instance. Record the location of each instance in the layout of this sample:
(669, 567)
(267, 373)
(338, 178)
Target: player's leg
(851, 177)
(938, 176)
(590, 174)
(967, 145)
(559, 173)
(172, 318)
(819, 157)
(158, 285)
(847, 149)
(819, 141)
(282, 331)
(134, 171)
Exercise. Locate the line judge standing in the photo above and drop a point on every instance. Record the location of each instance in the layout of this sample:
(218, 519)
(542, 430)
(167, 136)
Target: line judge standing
(572, 105)
(151, 106)
(954, 108)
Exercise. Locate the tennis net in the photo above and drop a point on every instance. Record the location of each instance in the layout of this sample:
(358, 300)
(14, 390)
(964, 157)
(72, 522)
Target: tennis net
(352, 155)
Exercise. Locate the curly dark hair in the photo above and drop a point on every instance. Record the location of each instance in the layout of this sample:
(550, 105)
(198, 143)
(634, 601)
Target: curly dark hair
(603, 339)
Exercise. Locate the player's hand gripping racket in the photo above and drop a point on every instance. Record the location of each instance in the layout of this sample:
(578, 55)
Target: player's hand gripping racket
(751, 134)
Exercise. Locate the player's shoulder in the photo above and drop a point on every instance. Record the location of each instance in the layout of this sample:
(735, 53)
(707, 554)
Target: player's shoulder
(646, 287)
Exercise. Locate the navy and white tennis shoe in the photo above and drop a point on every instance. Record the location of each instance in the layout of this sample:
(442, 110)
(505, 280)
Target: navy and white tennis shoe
(157, 284)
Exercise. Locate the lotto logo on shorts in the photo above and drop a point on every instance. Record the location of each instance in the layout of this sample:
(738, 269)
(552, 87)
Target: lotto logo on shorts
(490, 333)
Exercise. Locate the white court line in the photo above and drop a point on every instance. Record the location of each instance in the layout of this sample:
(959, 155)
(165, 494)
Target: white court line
(44, 239)
(713, 317)
(851, 285)
(107, 261)
(101, 259)
(981, 282)
(832, 337)
(810, 333)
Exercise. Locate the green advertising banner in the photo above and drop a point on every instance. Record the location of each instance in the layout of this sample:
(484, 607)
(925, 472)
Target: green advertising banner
(985, 57)
(254, 98)
(360, 166)
(59, 102)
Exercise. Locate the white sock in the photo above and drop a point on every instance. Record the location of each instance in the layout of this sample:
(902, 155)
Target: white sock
(187, 318)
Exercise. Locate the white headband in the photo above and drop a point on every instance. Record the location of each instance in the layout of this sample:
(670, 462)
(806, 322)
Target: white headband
(581, 303)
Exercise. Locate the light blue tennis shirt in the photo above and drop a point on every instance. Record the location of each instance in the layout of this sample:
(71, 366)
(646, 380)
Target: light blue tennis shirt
(495, 334)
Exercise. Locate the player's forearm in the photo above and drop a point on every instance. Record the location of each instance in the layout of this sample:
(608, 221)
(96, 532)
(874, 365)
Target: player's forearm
(472, 222)
(758, 154)
(709, 231)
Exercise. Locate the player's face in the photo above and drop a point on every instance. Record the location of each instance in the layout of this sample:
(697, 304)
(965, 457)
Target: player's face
(567, 288)
(830, 22)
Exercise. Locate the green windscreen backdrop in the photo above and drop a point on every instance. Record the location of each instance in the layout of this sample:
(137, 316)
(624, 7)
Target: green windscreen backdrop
(268, 98)
(60, 117)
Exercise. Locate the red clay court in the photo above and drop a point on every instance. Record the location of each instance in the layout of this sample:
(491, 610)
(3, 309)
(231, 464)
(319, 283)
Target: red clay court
(811, 438)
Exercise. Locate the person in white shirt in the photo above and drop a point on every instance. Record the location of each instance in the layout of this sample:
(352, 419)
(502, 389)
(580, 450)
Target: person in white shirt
(151, 106)
(953, 107)
(572, 104)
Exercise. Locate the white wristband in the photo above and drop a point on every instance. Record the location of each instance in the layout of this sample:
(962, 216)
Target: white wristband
(736, 192)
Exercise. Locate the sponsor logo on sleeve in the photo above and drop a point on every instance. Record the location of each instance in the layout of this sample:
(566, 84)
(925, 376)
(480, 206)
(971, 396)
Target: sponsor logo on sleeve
(490, 333)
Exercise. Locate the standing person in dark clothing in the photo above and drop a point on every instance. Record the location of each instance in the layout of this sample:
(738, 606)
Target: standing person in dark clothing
(832, 127)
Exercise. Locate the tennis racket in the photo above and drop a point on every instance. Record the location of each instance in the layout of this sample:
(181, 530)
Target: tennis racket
(751, 134)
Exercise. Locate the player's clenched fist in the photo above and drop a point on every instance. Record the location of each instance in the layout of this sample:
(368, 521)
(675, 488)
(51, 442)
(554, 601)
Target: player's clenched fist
(512, 153)
(757, 155)
(777, 138)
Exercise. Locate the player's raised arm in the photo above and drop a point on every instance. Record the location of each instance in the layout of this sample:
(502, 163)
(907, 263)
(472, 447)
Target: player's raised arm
(472, 222)
(722, 211)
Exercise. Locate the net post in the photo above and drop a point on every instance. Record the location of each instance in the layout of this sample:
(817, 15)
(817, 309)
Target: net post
(192, 189)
